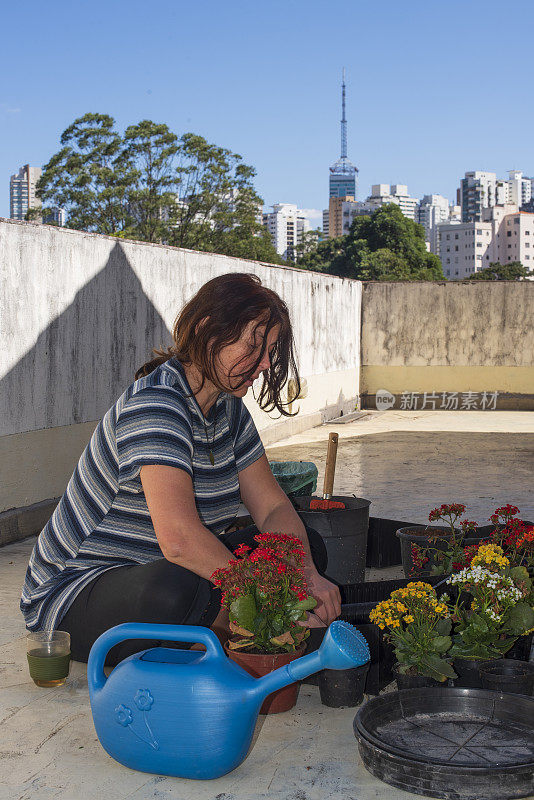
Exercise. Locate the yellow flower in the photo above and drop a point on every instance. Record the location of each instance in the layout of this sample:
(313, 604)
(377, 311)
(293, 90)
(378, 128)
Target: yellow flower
(490, 554)
(408, 618)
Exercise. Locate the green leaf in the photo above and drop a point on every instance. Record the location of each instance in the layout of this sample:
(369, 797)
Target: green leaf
(243, 611)
(441, 643)
(443, 627)
(519, 574)
(519, 619)
(304, 605)
(240, 644)
(438, 665)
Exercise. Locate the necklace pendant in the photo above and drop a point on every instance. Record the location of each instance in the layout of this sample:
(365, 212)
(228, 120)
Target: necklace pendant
(212, 459)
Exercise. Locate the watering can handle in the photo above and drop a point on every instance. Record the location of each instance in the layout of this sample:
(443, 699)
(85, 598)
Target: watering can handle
(146, 630)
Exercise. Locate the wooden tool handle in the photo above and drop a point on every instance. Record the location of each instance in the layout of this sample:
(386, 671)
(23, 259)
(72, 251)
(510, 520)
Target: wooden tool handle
(330, 466)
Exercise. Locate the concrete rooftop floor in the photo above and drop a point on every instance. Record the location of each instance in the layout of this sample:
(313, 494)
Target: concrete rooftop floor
(405, 462)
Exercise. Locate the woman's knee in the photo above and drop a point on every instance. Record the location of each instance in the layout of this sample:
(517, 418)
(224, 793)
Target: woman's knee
(172, 594)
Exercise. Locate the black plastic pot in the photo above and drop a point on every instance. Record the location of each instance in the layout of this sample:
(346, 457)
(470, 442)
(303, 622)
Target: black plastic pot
(342, 688)
(505, 675)
(414, 681)
(468, 671)
(520, 651)
(425, 536)
(344, 532)
(484, 532)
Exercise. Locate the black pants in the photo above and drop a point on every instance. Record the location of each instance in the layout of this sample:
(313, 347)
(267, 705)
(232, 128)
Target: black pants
(159, 591)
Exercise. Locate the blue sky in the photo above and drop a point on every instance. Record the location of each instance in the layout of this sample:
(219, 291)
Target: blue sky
(433, 89)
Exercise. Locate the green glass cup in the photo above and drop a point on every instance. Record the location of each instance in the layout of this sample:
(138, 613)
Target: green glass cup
(48, 655)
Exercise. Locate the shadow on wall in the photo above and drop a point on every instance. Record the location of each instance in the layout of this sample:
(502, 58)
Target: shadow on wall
(87, 356)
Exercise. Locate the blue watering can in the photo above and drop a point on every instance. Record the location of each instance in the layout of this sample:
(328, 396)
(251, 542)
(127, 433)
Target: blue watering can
(192, 713)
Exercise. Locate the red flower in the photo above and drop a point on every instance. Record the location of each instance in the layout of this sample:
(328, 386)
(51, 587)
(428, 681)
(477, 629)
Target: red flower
(241, 550)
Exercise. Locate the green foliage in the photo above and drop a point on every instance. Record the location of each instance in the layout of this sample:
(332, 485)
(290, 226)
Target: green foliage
(243, 611)
(424, 655)
(151, 186)
(512, 271)
(386, 246)
(519, 619)
(324, 256)
(147, 157)
(266, 631)
(85, 177)
(477, 637)
(308, 243)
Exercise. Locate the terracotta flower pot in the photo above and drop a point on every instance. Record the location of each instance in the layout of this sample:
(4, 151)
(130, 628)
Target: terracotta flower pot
(259, 664)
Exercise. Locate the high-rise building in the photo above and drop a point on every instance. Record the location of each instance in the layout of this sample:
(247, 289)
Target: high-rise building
(432, 209)
(22, 191)
(326, 223)
(343, 173)
(341, 213)
(504, 234)
(519, 189)
(286, 225)
(478, 190)
(397, 193)
(455, 213)
(54, 216)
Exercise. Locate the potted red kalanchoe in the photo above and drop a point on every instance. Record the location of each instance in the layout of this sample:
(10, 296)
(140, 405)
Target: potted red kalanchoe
(430, 550)
(265, 592)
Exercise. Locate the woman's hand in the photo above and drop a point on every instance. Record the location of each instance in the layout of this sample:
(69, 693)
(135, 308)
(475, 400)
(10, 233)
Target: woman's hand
(328, 606)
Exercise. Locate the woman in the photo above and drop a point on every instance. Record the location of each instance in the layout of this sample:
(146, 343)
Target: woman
(140, 528)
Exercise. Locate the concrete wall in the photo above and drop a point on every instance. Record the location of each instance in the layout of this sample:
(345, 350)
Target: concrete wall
(81, 312)
(449, 337)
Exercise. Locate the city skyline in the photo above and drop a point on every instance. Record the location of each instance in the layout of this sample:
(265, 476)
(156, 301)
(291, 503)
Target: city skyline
(415, 116)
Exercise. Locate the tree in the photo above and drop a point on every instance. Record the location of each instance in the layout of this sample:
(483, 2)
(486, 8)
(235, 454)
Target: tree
(87, 177)
(151, 186)
(308, 243)
(147, 156)
(326, 254)
(34, 214)
(384, 246)
(501, 272)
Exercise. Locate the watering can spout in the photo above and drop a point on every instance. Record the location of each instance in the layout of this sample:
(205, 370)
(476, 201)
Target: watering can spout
(343, 647)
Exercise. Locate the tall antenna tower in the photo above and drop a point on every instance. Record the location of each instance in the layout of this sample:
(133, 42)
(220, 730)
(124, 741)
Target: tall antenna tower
(343, 173)
(343, 120)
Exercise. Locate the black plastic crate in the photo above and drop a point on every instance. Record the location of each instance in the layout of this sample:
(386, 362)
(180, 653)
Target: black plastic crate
(359, 599)
(383, 547)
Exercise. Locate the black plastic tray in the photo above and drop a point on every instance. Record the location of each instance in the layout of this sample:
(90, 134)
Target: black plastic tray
(457, 744)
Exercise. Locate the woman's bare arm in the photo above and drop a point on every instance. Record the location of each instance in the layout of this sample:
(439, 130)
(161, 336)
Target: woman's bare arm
(183, 538)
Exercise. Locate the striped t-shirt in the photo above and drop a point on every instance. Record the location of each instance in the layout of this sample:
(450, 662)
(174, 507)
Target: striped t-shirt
(102, 521)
